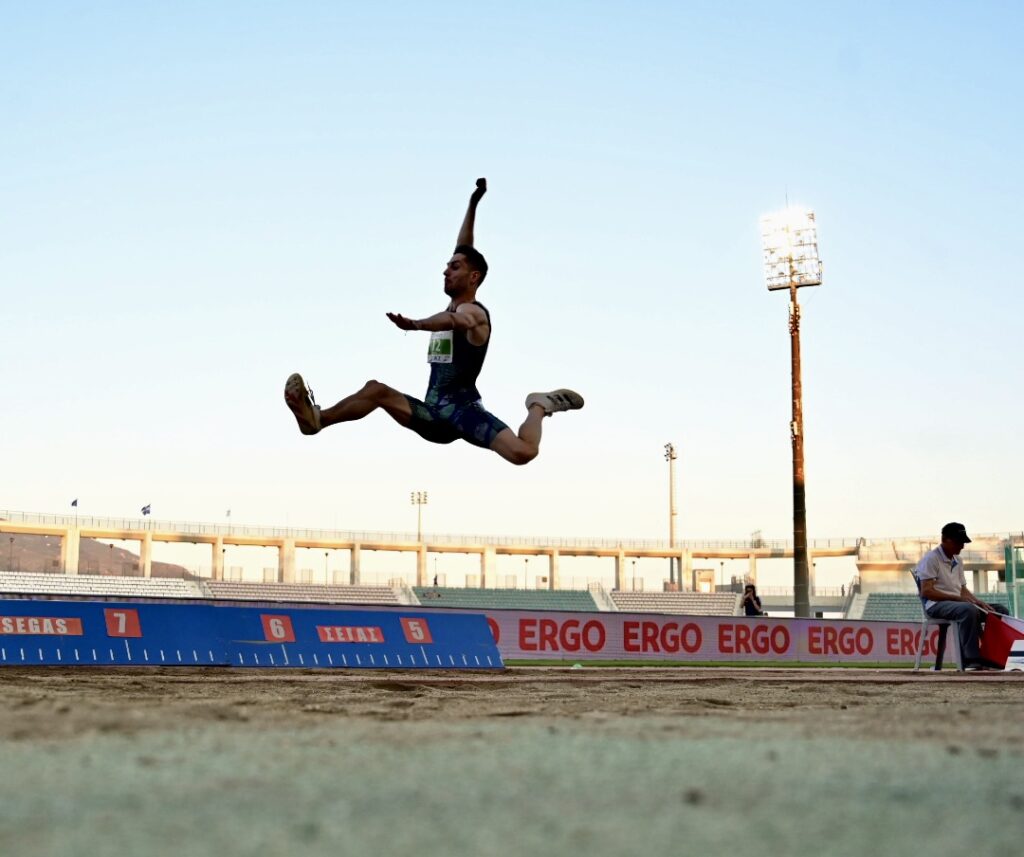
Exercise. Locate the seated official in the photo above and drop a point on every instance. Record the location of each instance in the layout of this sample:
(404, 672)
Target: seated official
(944, 590)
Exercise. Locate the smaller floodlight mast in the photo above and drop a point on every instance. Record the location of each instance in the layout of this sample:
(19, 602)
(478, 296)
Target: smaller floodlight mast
(419, 500)
(789, 239)
(670, 457)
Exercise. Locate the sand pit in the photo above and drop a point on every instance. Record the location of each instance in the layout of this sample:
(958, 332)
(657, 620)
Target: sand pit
(533, 760)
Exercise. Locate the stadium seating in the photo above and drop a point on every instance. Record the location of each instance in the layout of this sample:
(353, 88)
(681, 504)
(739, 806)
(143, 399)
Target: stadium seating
(509, 599)
(906, 607)
(323, 594)
(684, 603)
(91, 584)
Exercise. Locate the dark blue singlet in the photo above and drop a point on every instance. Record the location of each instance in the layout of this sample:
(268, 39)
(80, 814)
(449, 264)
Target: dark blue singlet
(452, 409)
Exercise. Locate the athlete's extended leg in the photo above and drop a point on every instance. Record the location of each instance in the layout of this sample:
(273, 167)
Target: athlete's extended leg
(373, 395)
(311, 418)
(523, 447)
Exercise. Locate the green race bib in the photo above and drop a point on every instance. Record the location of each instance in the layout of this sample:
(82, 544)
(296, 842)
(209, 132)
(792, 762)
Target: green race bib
(440, 348)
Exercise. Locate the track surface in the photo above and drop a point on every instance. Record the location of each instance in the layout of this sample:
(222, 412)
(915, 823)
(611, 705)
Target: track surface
(532, 760)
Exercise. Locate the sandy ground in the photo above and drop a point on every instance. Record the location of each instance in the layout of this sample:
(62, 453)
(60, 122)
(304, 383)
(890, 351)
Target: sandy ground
(529, 761)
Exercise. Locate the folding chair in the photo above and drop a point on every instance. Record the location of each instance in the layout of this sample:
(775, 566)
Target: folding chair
(943, 625)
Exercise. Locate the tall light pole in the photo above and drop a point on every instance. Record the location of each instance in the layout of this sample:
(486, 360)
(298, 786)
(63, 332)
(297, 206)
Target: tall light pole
(789, 239)
(419, 500)
(670, 457)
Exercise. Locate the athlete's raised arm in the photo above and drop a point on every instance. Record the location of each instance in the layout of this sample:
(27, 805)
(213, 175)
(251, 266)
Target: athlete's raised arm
(466, 232)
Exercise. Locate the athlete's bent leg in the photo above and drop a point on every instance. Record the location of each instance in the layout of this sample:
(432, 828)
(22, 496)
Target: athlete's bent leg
(523, 447)
(373, 395)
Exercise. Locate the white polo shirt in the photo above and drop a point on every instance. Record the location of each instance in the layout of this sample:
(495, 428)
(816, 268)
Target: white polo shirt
(947, 572)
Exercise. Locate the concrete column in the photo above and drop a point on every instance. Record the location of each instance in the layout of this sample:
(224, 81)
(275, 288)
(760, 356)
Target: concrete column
(688, 572)
(488, 563)
(553, 582)
(980, 580)
(810, 573)
(752, 572)
(146, 554)
(286, 561)
(620, 572)
(353, 564)
(218, 559)
(421, 565)
(69, 547)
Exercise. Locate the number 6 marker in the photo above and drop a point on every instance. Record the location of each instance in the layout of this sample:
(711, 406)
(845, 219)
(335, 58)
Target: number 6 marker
(277, 629)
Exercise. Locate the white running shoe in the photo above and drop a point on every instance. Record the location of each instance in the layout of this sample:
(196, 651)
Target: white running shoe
(556, 400)
(299, 398)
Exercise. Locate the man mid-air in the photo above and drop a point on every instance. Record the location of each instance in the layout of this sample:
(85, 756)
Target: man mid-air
(459, 337)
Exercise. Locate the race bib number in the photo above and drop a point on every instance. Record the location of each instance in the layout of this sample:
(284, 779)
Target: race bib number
(440, 348)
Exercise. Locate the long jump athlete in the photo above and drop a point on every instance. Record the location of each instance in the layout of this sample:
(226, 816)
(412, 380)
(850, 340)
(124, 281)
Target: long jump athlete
(459, 337)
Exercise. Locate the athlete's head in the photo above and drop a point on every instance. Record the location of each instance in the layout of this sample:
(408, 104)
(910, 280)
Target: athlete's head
(465, 271)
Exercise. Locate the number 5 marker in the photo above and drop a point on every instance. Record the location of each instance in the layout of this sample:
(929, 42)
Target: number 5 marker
(416, 631)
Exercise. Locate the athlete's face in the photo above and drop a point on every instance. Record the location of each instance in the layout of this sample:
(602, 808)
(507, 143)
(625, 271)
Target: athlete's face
(458, 277)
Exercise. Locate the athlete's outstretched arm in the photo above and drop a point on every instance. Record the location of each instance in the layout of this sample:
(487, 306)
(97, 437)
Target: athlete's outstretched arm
(465, 317)
(466, 232)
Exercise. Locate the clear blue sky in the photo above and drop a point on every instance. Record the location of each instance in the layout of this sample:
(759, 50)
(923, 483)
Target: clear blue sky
(197, 199)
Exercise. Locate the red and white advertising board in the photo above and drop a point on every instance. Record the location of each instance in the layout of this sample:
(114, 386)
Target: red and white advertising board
(542, 635)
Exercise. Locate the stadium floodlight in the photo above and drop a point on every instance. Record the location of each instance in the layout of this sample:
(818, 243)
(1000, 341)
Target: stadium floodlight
(789, 240)
(670, 457)
(419, 500)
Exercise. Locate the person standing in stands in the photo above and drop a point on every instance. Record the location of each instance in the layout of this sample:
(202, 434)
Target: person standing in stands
(751, 603)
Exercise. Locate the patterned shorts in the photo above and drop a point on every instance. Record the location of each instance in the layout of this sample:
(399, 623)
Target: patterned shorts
(444, 422)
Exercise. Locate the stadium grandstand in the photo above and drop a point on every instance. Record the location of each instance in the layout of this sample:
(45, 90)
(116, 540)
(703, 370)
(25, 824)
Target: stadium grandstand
(906, 607)
(47, 585)
(53, 555)
(24, 584)
(318, 593)
(681, 603)
(508, 599)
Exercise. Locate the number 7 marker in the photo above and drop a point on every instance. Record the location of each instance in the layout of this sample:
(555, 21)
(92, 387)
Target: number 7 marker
(122, 623)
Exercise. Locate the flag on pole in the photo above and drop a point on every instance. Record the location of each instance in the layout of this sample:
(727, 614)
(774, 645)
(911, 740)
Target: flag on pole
(145, 509)
(74, 503)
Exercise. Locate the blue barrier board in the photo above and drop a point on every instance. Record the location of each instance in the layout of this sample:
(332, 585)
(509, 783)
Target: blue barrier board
(101, 633)
(320, 637)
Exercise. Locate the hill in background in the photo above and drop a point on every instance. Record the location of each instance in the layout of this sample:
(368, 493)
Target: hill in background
(23, 552)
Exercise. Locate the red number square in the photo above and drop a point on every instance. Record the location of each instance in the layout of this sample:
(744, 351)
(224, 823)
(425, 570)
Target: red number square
(122, 623)
(416, 630)
(277, 629)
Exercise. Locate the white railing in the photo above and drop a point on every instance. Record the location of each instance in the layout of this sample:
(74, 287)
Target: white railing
(397, 537)
(816, 592)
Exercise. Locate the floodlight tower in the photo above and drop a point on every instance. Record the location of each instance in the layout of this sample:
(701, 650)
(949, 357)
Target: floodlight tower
(670, 457)
(419, 500)
(789, 239)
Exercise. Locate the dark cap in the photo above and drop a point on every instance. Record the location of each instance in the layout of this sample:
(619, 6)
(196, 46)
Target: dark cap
(956, 532)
